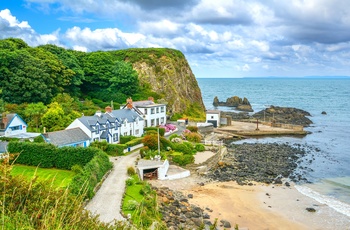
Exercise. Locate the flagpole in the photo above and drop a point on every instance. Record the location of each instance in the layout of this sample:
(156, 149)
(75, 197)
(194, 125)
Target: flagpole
(158, 143)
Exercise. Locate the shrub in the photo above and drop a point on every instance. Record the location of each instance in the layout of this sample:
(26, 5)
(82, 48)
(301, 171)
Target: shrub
(130, 181)
(161, 130)
(143, 151)
(84, 183)
(182, 159)
(125, 139)
(193, 137)
(174, 135)
(131, 205)
(115, 149)
(134, 142)
(192, 128)
(199, 147)
(181, 147)
(77, 169)
(131, 171)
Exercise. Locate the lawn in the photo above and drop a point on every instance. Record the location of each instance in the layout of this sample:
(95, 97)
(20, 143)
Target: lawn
(59, 178)
(132, 193)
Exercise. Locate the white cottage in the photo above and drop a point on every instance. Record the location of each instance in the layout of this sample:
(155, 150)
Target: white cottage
(154, 114)
(213, 116)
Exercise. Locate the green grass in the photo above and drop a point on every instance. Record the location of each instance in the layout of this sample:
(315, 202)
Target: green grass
(132, 192)
(59, 178)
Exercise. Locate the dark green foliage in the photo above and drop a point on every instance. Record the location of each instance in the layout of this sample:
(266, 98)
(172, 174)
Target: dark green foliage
(175, 117)
(115, 149)
(199, 147)
(184, 148)
(161, 130)
(124, 139)
(85, 182)
(48, 156)
(69, 156)
(39, 139)
(183, 159)
(134, 142)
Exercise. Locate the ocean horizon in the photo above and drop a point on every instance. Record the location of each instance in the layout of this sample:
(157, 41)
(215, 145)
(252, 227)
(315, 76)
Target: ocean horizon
(327, 144)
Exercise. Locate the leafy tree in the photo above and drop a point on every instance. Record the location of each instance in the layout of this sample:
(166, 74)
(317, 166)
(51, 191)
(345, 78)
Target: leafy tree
(124, 79)
(69, 60)
(34, 112)
(54, 118)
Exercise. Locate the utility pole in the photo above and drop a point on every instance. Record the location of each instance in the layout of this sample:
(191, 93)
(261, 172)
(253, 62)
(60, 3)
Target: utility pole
(257, 125)
(158, 143)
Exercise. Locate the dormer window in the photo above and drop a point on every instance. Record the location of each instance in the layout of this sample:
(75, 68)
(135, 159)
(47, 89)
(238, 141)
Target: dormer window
(98, 128)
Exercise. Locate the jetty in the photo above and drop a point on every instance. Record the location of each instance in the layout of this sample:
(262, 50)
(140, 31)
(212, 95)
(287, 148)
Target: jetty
(244, 130)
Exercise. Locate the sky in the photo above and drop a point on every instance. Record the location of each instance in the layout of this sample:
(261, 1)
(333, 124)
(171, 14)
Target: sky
(220, 39)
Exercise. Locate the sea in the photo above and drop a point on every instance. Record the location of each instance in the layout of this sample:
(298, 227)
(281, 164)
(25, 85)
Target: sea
(327, 163)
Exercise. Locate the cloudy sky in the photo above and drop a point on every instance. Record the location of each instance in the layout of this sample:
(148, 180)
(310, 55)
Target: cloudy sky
(221, 38)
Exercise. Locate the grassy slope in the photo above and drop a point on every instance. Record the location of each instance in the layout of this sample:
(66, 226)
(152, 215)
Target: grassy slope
(59, 178)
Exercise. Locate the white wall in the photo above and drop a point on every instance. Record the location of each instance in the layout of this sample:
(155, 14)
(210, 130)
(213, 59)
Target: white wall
(162, 171)
(16, 121)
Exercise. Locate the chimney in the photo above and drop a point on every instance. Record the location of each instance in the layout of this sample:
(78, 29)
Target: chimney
(129, 103)
(4, 119)
(98, 113)
(151, 99)
(108, 109)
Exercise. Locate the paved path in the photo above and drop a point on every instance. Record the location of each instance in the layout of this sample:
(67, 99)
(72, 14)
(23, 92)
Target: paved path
(107, 201)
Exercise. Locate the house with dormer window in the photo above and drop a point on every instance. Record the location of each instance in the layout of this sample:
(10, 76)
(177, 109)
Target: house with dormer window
(109, 126)
(154, 114)
(13, 126)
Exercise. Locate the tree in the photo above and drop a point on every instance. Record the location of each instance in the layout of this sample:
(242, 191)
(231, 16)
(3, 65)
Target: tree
(54, 118)
(34, 113)
(124, 80)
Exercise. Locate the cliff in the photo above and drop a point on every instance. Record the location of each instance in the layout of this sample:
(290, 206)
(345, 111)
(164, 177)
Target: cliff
(167, 72)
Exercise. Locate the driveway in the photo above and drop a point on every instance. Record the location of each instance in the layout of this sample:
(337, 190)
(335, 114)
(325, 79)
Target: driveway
(107, 201)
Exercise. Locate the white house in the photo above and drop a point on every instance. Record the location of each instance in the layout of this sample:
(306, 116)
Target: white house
(213, 116)
(109, 126)
(12, 125)
(153, 114)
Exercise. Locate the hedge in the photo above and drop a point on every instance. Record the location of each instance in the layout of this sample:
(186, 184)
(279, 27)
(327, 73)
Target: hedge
(49, 156)
(134, 142)
(92, 173)
(161, 130)
(125, 139)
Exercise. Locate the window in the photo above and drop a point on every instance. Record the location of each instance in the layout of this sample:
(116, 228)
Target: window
(125, 133)
(162, 109)
(157, 110)
(13, 128)
(137, 132)
(162, 120)
(98, 129)
(115, 137)
(152, 111)
(212, 117)
(157, 121)
(146, 111)
(152, 122)
(145, 123)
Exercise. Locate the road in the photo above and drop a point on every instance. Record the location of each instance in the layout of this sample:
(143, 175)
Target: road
(107, 201)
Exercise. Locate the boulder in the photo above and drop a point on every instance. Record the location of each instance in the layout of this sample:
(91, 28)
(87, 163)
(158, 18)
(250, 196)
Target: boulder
(235, 101)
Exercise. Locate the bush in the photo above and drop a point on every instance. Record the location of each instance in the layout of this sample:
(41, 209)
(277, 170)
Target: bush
(181, 147)
(131, 205)
(161, 130)
(192, 128)
(193, 137)
(134, 142)
(182, 159)
(131, 171)
(77, 169)
(174, 135)
(115, 149)
(125, 139)
(143, 151)
(130, 181)
(85, 182)
(199, 147)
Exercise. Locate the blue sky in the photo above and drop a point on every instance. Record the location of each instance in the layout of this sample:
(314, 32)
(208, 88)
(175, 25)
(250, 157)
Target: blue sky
(222, 38)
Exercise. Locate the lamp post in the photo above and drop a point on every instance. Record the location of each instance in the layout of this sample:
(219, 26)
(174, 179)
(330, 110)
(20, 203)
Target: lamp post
(257, 125)
(158, 143)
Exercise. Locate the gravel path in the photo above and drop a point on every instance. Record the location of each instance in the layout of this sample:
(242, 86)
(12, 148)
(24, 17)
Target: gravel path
(107, 201)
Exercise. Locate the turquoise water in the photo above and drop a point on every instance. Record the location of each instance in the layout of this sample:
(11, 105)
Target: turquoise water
(329, 142)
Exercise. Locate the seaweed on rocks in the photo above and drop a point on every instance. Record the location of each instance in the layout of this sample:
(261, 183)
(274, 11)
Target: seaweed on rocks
(265, 163)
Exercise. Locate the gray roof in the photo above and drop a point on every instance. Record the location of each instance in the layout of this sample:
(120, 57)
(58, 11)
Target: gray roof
(145, 104)
(3, 146)
(113, 119)
(66, 137)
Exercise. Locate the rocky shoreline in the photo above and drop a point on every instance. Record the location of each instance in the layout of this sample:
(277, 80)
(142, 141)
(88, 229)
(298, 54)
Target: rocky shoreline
(270, 163)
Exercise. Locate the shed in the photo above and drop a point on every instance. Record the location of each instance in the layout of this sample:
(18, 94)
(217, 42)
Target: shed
(213, 116)
(152, 169)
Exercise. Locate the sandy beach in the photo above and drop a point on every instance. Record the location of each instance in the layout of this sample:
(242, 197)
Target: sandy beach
(256, 207)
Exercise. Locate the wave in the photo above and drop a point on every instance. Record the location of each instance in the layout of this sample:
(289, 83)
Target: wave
(331, 202)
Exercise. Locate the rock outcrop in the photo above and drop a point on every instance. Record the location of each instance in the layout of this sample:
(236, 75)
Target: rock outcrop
(285, 115)
(235, 101)
(167, 72)
(266, 163)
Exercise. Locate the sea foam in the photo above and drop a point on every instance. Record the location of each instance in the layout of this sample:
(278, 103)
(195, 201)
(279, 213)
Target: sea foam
(331, 202)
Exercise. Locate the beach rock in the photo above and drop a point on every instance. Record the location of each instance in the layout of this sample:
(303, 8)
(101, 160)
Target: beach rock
(235, 101)
(178, 213)
(284, 115)
(225, 223)
(266, 163)
(311, 209)
(324, 113)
